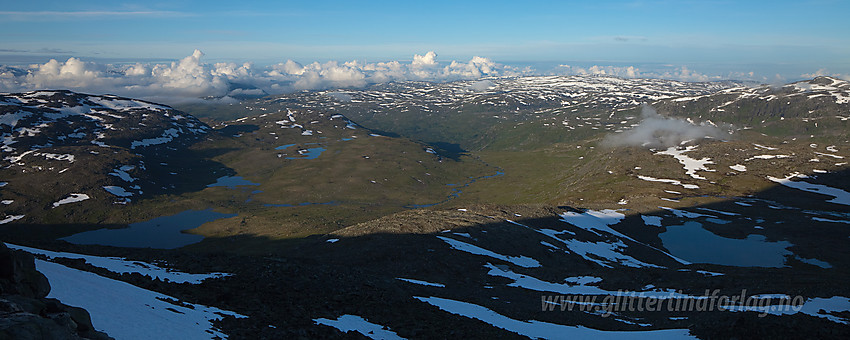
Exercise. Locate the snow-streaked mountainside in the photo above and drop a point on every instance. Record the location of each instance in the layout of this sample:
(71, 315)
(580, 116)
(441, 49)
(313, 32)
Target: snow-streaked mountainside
(95, 149)
(810, 102)
(837, 89)
(40, 121)
(514, 94)
(476, 114)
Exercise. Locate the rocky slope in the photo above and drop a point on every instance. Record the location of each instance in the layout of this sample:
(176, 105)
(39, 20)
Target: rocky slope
(83, 153)
(499, 113)
(818, 107)
(26, 313)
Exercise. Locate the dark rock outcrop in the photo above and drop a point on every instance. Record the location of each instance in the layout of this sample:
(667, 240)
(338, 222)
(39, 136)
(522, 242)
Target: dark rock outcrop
(25, 310)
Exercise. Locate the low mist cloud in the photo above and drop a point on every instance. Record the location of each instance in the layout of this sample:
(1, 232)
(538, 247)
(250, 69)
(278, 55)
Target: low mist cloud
(192, 80)
(481, 85)
(657, 131)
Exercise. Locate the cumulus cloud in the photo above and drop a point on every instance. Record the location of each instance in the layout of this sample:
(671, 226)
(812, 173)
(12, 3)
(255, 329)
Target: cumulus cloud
(190, 79)
(656, 131)
(427, 60)
(178, 81)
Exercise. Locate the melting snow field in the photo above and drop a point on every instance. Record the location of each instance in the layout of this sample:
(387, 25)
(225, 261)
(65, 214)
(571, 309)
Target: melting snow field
(578, 286)
(420, 282)
(71, 199)
(603, 253)
(10, 218)
(544, 330)
(738, 167)
(167, 136)
(125, 311)
(596, 222)
(671, 181)
(532, 283)
(117, 191)
(817, 307)
(121, 266)
(346, 323)
(691, 165)
(522, 261)
(841, 196)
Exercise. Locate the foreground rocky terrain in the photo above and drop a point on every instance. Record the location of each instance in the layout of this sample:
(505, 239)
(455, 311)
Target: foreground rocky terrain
(27, 314)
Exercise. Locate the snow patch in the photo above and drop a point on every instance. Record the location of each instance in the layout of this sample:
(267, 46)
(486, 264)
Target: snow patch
(544, 330)
(522, 261)
(71, 199)
(125, 311)
(840, 196)
(10, 218)
(121, 266)
(671, 181)
(738, 167)
(117, 191)
(167, 136)
(420, 282)
(346, 323)
(691, 165)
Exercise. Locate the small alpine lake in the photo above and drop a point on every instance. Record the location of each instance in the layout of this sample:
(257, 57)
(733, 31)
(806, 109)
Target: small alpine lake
(160, 233)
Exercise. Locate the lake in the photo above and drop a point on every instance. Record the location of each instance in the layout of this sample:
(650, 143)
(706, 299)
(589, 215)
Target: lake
(694, 243)
(161, 233)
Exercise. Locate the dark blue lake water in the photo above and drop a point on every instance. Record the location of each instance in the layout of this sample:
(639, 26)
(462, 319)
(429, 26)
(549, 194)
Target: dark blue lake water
(231, 182)
(693, 243)
(161, 233)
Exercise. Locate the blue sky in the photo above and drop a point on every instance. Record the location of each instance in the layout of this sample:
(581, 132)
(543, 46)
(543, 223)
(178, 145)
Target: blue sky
(718, 37)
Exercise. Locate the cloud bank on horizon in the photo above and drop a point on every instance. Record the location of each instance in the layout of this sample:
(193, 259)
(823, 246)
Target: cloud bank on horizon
(191, 80)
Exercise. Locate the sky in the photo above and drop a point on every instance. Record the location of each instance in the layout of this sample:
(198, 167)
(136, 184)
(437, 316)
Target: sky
(766, 41)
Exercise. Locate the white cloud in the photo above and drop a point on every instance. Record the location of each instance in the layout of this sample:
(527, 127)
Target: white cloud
(656, 131)
(429, 59)
(481, 85)
(288, 68)
(818, 73)
(616, 71)
(476, 68)
(825, 72)
(190, 78)
(685, 74)
(682, 73)
(74, 73)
